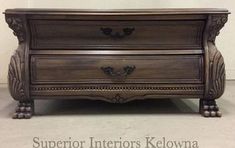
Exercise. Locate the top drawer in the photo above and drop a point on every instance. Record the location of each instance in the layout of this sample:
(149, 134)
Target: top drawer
(62, 34)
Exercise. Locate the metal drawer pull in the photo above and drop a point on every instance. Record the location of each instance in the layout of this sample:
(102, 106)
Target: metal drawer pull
(127, 70)
(125, 32)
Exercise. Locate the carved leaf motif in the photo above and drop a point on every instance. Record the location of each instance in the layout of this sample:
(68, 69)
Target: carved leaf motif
(217, 22)
(217, 74)
(16, 24)
(216, 62)
(15, 82)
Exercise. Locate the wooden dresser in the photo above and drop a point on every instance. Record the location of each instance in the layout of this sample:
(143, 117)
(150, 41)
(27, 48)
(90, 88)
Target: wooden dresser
(116, 56)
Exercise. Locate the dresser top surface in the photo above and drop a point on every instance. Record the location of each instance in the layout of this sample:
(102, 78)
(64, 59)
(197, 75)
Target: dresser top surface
(117, 11)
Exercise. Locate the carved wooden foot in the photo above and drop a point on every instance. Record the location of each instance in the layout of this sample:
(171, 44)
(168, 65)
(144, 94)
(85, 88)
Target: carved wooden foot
(24, 110)
(209, 108)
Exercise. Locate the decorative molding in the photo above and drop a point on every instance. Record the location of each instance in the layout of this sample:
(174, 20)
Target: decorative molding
(16, 72)
(216, 62)
(119, 87)
(216, 73)
(17, 25)
(216, 23)
(15, 81)
(118, 93)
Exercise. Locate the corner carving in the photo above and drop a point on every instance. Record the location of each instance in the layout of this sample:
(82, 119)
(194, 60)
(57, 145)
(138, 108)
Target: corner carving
(16, 72)
(216, 62)
(17, 25)
(216, 23)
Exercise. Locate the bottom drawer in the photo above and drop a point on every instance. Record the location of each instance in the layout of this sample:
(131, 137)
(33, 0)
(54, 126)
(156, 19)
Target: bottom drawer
(67, 69)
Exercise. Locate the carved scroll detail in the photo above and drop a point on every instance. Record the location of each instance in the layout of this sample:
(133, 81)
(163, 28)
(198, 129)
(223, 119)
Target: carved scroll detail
(217, 74)
(217, 22)
(116, 93)
(16, 72)
(15, 82)
(16, 24)
(216, 62)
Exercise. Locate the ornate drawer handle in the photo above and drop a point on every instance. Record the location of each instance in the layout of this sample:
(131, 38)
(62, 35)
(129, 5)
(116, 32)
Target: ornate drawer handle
(125, 32)
(127, 70)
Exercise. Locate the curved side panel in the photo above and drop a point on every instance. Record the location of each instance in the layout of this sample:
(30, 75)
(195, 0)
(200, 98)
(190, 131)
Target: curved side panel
(217, 73)
(16, 85)
(16, 73)
(215, 79)
(116, 93)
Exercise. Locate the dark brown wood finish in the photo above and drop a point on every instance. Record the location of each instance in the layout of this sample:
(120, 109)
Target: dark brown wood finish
(90, 69)
(50, 34)
(116, 55)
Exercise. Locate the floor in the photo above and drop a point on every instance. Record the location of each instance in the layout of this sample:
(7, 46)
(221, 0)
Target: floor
(68, 124)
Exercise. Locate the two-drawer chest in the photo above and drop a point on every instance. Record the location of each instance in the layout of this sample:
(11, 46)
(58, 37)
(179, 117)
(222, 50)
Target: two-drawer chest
(116, 56)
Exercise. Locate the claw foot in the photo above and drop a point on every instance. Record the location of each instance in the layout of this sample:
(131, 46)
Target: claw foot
(209, 108)
(24, 110)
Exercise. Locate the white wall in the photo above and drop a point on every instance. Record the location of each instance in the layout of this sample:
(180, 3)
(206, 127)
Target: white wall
(225, 41)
